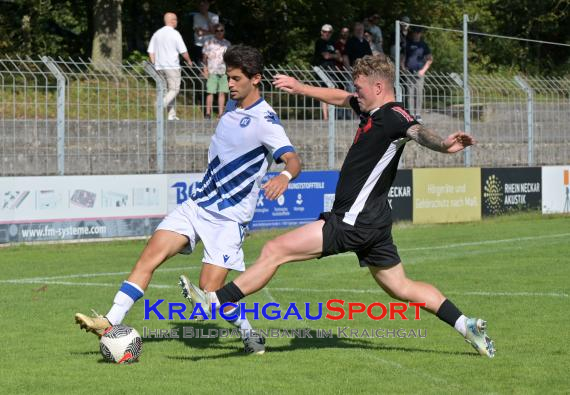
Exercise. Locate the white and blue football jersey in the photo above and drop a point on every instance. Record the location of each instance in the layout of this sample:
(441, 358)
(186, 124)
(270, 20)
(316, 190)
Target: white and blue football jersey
(245, 144)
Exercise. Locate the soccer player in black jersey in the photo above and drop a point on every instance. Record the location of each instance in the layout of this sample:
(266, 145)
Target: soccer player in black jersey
(360, 219)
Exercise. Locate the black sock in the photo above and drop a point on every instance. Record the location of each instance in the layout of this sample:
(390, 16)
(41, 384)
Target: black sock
(448, 312)
(229, 293)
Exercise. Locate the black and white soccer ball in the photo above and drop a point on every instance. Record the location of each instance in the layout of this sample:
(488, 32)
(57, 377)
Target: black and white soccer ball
(121, 344)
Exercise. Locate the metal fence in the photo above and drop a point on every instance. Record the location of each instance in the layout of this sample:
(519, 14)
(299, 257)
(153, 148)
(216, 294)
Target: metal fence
(65, 117)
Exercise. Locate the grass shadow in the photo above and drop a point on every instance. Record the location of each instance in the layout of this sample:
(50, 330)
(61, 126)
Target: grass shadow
(305, 339)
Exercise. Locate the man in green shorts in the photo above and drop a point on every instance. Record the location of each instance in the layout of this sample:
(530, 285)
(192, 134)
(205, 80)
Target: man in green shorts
(215, 70)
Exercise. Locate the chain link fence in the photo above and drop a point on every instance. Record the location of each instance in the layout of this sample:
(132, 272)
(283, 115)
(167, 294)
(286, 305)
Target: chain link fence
(62, 116)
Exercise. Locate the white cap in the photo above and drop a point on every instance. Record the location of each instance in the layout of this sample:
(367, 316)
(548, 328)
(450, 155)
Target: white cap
(327, 28)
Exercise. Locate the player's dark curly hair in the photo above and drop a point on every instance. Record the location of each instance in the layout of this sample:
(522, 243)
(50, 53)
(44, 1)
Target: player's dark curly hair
(248, 59)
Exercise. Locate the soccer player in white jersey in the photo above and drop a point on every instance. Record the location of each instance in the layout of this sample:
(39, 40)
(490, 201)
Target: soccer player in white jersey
(248, 138)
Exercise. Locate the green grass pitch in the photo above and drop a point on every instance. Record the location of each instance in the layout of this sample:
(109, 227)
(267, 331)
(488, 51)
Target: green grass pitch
(512, 271)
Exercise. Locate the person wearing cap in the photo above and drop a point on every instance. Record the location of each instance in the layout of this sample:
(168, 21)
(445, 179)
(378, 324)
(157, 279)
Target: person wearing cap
(326, 56)
(418, 61)
(325, 53)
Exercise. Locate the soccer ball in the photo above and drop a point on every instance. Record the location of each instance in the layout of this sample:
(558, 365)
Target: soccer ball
(121, 344)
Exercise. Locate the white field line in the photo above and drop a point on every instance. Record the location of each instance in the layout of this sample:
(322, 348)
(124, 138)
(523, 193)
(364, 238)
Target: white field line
(294, 290)
(51, 280)
(487, 242)
(75, 284)
(475, 243)
(269, 296)
(470, 244)
(91, 275)
(479, 293)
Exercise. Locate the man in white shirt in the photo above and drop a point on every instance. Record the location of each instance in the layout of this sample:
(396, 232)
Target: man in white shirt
(204, 23)
(164, 49)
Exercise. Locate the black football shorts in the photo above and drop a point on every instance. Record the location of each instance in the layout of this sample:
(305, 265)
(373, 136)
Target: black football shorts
(373, 246)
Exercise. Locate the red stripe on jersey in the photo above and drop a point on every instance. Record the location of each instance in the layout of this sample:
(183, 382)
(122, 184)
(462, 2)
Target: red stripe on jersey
(363, 129)
(403, 113)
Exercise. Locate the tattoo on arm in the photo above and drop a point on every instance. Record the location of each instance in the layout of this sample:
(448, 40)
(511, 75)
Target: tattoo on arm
(426, 137)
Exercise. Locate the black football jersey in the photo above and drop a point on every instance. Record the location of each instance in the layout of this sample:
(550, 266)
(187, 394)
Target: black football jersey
(370, 165)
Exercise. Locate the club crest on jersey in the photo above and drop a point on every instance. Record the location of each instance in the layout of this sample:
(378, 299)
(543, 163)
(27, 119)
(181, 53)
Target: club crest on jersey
(244, 122)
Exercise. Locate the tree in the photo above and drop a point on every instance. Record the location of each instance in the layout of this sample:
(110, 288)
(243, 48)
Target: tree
(107, 33)
(43, 27)
(285, 30)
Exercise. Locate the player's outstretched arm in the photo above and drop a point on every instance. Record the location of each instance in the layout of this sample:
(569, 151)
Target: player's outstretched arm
(334, 96)
(455, 142)
(278, 184)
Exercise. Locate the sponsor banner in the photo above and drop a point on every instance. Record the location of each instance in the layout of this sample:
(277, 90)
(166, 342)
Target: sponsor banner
(555, 189)
(307, 196)
(505, 190)
(180, 187)
(400, 196)
(446, 195)
(77, 230)
(29, 199)
(68, 207)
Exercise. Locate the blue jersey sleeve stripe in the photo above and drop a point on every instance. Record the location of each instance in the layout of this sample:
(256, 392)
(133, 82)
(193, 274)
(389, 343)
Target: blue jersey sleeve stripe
(278, 153)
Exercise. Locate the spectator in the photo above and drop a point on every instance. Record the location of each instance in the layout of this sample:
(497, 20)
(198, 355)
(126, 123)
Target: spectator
(418, 61)
(340, 45)
(356, 46)
(326, 54)
(369, 38)
(371, 24)
(164, 49)
(204, 22)
(344, 77)
(215, 70)
(326, 57)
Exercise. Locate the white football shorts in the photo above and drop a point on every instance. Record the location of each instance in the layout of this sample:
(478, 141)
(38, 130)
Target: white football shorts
(222, 237)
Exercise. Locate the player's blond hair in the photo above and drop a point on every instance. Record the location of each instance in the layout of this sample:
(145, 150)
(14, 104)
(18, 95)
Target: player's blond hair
(377, 67)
